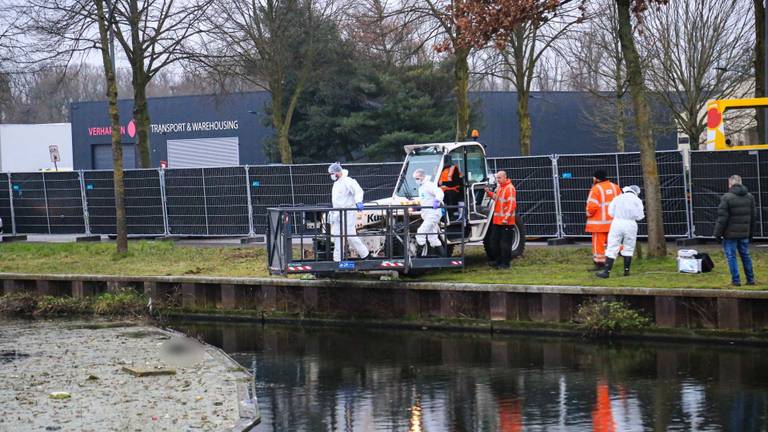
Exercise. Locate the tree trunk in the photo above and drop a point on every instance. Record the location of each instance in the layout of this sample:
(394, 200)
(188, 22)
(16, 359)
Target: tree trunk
(461, 76)
(760, 66)
(117, 147)
(621, 145)
(693, 131)
(657, 245)
(284, 145)
(141, 120)
(278, 122)
(524, 122)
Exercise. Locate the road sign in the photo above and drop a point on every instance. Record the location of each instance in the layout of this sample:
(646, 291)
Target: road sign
(53, 149)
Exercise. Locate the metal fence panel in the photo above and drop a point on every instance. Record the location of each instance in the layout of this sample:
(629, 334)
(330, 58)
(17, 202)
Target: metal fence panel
(186, 203)
(377, 180)
(311, 184)
(226, 198)
(29, 203)
(6, 213)
(143, 202)
(65, 203)
(709, 181)
(575, 178)
(673, 189)
(532, 177)
(761, 193)
(271, 186)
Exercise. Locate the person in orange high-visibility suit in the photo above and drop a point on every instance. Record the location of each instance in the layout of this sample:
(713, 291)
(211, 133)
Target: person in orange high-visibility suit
(598, 219)
(452, 185)
(502, 230)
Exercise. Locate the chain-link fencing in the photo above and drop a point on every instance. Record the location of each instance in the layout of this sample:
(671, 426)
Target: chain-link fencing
(233, 201)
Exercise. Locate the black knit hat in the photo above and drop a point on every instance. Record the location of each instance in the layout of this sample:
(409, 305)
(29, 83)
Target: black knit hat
(600, 175)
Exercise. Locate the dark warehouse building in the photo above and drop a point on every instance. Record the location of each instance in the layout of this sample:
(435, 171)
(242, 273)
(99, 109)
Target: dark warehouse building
(220, 130)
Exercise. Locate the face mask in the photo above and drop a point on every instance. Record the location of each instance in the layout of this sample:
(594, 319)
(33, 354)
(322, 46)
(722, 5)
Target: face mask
(419, 181)
(334, 177)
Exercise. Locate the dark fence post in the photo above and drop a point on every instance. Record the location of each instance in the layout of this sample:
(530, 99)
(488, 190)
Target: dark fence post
(556, 195)
(163, 201)
(10, 203)
(251, 232)
(47, 206)
(84, 199)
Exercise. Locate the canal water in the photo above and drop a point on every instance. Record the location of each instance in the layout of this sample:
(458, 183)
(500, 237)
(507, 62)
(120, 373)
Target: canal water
(354, 379)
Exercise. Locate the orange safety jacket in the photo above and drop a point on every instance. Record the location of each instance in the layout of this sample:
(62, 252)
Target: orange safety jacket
(506, 204)
(447, 181)
(600, 196)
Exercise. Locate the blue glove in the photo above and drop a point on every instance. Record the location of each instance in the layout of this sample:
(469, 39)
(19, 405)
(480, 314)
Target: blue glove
(360, 206)
(436, 204)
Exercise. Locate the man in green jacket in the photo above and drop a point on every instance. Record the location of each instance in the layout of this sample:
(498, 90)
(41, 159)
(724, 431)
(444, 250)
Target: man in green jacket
(736, 225)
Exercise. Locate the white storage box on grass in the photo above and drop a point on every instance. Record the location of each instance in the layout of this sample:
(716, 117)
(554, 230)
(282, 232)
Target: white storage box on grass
(687, 261)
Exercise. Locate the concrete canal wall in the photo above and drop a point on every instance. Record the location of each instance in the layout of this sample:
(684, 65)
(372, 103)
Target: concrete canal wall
(398, 300)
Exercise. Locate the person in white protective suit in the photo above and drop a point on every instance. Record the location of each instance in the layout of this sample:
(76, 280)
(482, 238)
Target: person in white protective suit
(346, 193)
(431, 197)
(626, 210)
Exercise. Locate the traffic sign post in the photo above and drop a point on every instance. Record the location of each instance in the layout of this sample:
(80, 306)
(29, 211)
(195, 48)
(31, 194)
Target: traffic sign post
(53, 149)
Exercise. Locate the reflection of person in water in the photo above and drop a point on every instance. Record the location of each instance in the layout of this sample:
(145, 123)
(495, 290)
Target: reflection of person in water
(602, 416)
(510, 415)
(509, 403)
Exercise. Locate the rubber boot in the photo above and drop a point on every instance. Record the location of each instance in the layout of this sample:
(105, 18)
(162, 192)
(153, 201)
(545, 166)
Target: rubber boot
(627, 265)
(442, 251)
(607, 270)
(596, 266)
(420, 250)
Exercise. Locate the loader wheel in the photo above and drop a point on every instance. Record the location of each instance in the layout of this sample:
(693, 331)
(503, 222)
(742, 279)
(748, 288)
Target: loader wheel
(518, 242)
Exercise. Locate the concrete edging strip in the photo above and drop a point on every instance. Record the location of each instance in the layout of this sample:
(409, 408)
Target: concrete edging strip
(427, 286)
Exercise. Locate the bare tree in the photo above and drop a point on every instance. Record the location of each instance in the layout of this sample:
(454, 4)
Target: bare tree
(152, 34)
(657, 245)
(272, 44)
(103, 18)
(387, 32)
(698, 50)
(443, 12)
(519, 57)
(58, 31)
(597, 67)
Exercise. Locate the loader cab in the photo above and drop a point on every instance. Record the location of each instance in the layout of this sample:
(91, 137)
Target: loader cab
(468, 157)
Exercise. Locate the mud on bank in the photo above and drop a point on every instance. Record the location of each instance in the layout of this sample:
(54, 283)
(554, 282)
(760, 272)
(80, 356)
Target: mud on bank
(75, 375)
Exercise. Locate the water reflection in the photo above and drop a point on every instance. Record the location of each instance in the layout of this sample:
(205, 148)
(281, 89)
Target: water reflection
(319, 379)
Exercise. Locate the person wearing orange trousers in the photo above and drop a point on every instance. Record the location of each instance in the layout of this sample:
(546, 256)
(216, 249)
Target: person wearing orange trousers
(598, 219)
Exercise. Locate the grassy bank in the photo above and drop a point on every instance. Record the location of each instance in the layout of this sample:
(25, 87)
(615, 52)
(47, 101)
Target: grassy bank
(539, 266)
(146, 258)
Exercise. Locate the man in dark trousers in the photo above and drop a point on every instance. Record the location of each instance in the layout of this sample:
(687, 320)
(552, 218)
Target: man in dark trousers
(736, 225)
(501, 235)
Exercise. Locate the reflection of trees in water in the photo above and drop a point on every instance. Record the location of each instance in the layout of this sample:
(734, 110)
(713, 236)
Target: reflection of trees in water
(353, 379)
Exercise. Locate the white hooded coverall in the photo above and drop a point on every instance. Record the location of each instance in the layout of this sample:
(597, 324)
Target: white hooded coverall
(626, 210)
(345, 194)
(428, 193)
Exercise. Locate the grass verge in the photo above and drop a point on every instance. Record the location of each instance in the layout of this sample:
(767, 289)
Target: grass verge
(539, 265)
